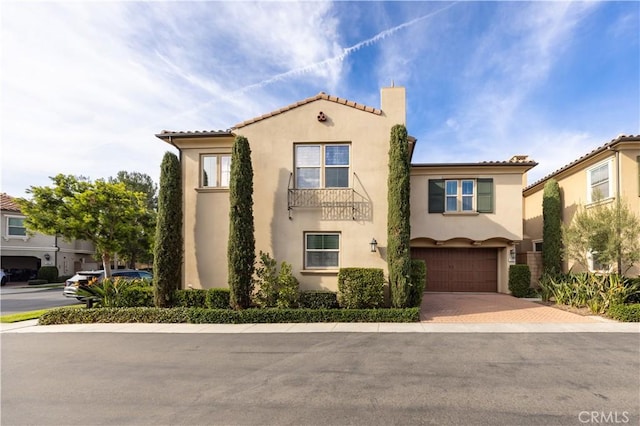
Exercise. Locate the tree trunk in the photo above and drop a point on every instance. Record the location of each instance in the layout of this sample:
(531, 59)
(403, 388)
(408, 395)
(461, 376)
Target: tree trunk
(106, 264)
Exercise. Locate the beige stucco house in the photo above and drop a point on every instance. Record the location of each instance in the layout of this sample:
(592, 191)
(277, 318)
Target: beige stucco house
(320, 197)
(612, 169)
(22, 254)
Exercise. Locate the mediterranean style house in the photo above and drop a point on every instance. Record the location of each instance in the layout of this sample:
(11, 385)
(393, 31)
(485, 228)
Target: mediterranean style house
(612, 170)
(320, 198)
(23, 254)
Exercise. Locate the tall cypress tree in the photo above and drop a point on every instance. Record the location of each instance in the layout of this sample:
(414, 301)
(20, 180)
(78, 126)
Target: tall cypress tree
(167, 262)
(241, 248)
(398, 217)
(551, 228)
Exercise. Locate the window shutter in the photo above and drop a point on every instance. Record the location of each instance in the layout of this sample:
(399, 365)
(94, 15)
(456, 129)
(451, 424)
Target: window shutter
(436, 195)
(485, 195)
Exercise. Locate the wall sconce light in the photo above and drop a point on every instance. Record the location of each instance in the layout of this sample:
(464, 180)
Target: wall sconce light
(373, 245)
(47, 256)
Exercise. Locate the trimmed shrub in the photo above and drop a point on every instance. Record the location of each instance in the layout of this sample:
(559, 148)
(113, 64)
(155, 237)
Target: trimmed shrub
(519, 280)
(418, 279)
(139, 295)
(192, 298)
(288, 287)
(37, 282)
(70, 315)
(318, 300)
(267, 280)
(626, 313)
(360, 288)
(634, 296)
(49, 273)
(218, 298)
(63, 278)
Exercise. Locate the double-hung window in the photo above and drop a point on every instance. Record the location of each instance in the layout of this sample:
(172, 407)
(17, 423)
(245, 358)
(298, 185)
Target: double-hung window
(322, 165)
(15, 227)
(599, 182)
(321, 250)
(461, 195)
(215, 170)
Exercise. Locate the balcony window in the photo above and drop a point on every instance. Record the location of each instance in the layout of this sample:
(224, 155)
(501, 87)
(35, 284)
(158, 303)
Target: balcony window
(322, 166)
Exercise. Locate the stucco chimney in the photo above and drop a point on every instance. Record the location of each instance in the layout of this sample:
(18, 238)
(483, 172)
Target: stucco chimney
(393, 104)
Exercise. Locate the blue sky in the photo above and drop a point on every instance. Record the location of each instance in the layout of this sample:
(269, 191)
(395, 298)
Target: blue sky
(86, 85)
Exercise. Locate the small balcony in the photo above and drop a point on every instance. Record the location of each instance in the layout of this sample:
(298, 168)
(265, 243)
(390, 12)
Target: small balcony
(335, 203)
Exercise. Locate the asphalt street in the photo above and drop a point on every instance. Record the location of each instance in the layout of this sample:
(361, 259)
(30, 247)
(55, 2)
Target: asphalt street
(18, 299)
(320, 379)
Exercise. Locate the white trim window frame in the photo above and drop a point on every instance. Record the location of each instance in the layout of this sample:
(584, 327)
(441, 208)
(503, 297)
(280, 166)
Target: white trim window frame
(321, 250)
(594, 263)
(460, 195)
(15, 227)
(600, 179)
(215, 170)
(322, 165)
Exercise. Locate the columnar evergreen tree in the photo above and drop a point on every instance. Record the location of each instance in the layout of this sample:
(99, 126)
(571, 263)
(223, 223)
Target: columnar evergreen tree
(551, 228)
(241, 248)
(398, 217)
(167, 252)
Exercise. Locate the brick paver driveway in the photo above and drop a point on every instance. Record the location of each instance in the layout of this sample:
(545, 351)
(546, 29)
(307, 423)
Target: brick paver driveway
(491, 308)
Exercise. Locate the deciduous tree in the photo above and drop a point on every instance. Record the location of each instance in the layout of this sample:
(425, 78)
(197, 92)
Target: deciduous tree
(104, 213)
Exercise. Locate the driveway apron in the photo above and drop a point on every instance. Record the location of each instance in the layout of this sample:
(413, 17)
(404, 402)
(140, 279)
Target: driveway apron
(492, 308)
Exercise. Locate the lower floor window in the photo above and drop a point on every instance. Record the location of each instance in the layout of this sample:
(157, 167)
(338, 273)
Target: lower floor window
(321, 250)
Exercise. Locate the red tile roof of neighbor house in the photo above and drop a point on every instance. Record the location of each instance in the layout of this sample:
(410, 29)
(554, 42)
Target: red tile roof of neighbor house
(609, 145)
(7, 203)
(196, 133)
(317, 97)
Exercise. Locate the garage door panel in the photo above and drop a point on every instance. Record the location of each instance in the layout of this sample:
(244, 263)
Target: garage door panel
(460, 269)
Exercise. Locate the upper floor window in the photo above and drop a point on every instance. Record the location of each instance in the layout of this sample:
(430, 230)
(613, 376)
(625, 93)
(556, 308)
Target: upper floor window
(215, 170)
(322, 165)
(599, 182)
(15, 226)
(460, 195)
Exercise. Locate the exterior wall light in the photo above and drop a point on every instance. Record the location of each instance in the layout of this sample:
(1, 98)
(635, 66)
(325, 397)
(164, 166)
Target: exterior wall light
(373, 245)
(47, 256)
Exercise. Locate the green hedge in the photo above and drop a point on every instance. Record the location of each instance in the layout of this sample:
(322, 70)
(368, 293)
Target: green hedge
(218, 298)
(69, 315)
(37, 282)
(626, 313)
(360, 288)
(49, 273)
(519, 280)
(318, 300)
(417, 283)
(213, 298)
(137, 296)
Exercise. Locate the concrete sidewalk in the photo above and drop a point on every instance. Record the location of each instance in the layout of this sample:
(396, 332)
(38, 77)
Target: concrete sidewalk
(422, 327)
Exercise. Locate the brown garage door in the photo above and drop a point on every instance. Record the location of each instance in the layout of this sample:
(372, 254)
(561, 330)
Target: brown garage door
(460, 269)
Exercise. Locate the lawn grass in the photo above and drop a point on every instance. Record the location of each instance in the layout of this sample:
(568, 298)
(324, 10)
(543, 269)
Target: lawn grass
(22, 316)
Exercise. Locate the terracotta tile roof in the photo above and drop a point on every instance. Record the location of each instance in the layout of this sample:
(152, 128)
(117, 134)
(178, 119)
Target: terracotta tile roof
(167, 133)
(519, 160)
(7, 203)
(317, 97)
(606, 146)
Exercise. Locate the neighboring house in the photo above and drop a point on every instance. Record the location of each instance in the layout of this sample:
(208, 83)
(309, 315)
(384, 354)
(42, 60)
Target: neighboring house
(23, 254)
(320, 197)
(612, 170)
